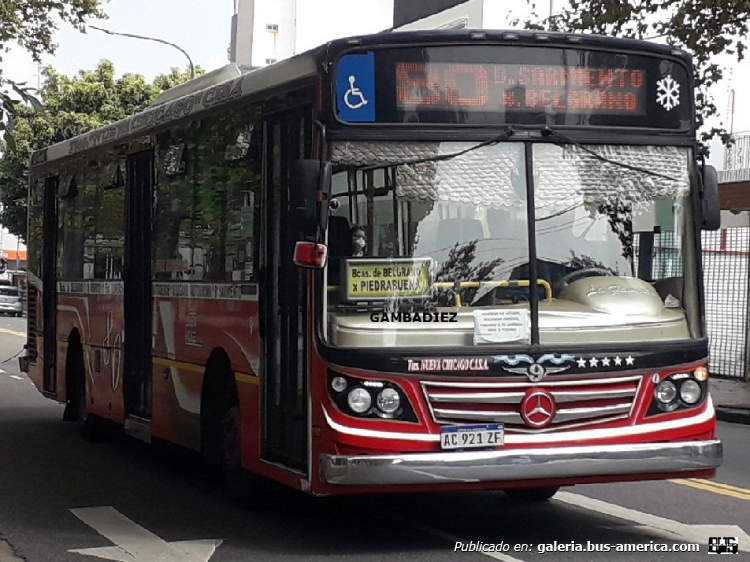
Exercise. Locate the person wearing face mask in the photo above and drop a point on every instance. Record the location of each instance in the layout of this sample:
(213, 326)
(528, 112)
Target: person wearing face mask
(359, 241)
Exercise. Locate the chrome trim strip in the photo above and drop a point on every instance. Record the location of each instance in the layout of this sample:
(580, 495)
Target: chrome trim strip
(480, 415)
(556, 437)
(563, 396)
(520, 464)
(545, 383)
(569, 414)
(478, 397)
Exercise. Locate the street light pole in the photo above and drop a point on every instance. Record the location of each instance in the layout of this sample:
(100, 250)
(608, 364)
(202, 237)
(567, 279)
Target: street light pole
(192, 68)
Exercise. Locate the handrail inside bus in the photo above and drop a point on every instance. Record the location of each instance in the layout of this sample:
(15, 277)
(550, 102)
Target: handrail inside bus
(511, 283)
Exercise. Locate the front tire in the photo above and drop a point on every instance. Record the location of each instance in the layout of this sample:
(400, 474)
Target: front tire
(532, 494)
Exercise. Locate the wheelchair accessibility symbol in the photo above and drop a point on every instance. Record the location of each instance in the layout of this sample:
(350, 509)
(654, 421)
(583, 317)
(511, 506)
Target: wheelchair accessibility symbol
(354, 98)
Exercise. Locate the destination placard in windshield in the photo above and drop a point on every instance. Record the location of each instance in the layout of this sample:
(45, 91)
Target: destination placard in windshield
(500, 84)
(368, 279)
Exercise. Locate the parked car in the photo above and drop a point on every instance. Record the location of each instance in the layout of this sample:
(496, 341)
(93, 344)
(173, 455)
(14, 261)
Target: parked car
(11, 300)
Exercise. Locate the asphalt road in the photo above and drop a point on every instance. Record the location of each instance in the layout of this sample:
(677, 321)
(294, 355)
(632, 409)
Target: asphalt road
(47, 472)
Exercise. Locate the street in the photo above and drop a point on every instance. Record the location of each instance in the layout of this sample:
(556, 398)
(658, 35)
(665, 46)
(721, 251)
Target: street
(57, 494)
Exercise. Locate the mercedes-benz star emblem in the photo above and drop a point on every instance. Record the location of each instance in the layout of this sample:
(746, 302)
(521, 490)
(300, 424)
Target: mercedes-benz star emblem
(538, 409)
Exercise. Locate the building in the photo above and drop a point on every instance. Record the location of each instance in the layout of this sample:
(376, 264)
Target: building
(263, 31)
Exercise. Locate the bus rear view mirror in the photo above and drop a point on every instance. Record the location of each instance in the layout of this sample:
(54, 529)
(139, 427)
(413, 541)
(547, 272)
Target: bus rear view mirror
(308, 193)
(710, 203)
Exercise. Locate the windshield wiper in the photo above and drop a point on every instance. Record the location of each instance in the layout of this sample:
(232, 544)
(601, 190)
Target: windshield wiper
(549, 132)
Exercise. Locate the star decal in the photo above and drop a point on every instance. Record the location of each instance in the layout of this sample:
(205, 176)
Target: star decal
(581, 362)
(629, 360)
(605, 361)
(594, 361)
(618, 361)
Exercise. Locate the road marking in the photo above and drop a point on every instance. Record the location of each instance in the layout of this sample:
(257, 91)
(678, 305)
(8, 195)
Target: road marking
(136, 544)
(715, 487)
(13, 332)
(668, 528)
(16, 377)
(454, 539)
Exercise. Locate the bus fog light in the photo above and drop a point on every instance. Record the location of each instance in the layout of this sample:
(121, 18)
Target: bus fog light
(665, 392)
(359, 400)
(338, 384)
(389, 401)
(690, 392)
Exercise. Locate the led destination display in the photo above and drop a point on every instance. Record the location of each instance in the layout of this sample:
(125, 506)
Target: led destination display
(489, 87)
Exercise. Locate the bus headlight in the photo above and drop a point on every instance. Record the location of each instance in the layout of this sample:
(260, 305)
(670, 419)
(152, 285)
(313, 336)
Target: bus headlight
(665, 392)
(389, 400)
(690, 392)
(359, 400)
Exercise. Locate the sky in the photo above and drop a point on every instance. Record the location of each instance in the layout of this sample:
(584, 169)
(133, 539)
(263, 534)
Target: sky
(200, 27)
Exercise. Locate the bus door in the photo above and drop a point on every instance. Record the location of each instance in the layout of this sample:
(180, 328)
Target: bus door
(49, 287)
(284, 297)
(137, 296)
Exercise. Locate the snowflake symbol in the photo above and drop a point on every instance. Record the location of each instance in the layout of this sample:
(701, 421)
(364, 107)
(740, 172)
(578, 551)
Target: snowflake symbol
(668, 93)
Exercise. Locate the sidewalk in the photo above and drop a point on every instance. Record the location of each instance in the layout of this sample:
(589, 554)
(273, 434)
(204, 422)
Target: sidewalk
(732, 399)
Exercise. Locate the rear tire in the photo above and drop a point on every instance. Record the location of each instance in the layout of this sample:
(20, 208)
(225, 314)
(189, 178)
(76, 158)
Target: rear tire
(532, 494)
(91, 426)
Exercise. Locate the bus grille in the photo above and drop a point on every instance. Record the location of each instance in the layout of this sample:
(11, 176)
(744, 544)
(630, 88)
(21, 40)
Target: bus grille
(31, 313)
(578, 402)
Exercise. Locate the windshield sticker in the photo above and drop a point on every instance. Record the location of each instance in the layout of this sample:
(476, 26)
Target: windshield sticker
(501, 326)
(355, 88)
(378, 279)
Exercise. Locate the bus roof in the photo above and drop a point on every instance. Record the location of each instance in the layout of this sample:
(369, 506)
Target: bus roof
(233, 82)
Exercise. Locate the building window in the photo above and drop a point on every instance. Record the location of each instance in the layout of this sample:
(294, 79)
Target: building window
(270, 61)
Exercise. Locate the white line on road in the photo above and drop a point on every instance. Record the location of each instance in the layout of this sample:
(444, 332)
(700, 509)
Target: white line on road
(16, 377)
(136, 544)
(668, 528)
(454, 539)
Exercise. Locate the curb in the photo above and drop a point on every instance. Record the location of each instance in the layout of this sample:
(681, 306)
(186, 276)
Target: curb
(733, 414)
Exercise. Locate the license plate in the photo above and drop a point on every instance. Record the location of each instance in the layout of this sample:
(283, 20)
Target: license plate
(468, 436)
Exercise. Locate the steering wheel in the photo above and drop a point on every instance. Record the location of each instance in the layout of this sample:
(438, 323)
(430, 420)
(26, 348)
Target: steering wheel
(567, 279)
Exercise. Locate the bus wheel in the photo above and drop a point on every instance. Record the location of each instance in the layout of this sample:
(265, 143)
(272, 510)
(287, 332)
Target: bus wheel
(532, 494)
(231, 450)
(91, 426)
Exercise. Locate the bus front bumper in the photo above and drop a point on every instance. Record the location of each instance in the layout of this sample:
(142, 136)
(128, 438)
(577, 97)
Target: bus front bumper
(521, 464)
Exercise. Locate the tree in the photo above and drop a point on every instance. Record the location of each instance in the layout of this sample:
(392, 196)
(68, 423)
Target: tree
(30, 24)
(72, 106)
(705, 28)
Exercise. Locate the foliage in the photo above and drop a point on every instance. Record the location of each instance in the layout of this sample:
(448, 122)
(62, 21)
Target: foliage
(72, 106)
(31, 24)
(462, 265)
(705, 28)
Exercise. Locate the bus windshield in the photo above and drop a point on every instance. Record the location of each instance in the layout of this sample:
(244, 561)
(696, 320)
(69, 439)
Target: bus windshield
(429, 244)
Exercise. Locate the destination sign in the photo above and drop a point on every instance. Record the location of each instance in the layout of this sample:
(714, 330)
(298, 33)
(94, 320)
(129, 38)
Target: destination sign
(379, 279)
(513, 84)
(520, 87)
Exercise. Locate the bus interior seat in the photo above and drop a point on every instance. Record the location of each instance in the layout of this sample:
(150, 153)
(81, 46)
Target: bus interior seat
(339, 246)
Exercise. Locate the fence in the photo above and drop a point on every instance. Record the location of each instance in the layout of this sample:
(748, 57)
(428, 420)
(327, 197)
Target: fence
(726, 254)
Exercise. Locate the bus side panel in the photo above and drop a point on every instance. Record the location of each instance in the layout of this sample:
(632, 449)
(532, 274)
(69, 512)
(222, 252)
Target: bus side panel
(98, 319)
(187, 331)
(35, 365)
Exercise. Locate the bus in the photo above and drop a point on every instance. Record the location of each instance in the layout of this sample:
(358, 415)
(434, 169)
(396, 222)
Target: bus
(408, 261)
